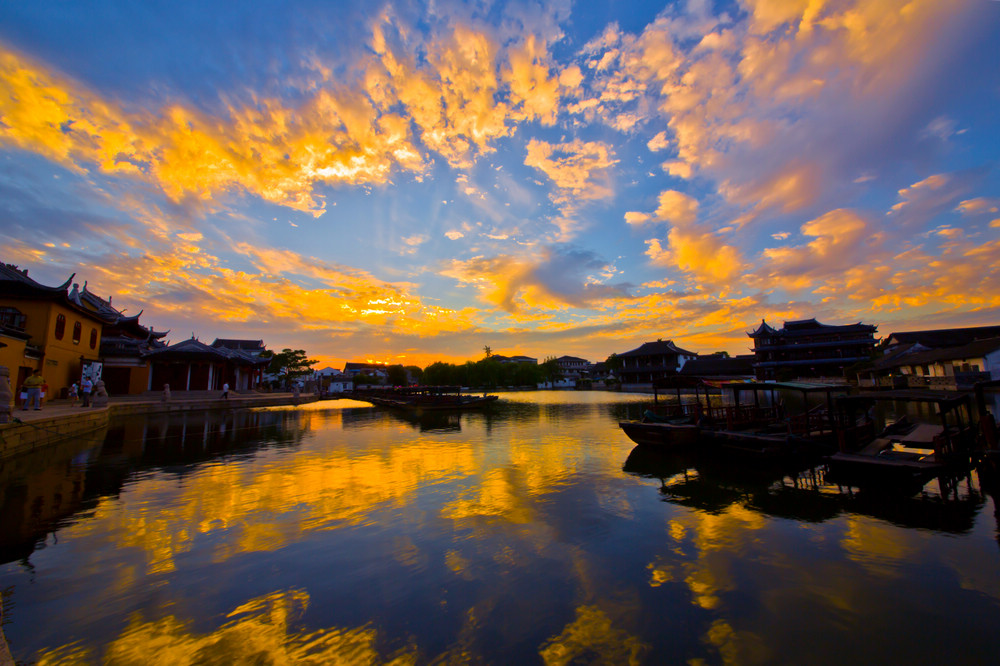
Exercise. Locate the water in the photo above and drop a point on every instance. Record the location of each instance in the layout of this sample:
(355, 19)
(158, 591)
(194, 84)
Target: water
(342, 533)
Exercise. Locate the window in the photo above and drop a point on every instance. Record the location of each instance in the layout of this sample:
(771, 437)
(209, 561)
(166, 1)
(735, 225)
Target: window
(77, 332)
(60, 327)
(12, 318)
(93, 338)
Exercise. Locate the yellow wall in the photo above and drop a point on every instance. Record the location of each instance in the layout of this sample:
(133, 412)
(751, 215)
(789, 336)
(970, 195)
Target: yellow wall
(12, 356)
(139, 380)
(62, 365)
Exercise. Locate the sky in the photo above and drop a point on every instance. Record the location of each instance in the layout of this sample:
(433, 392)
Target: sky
(411, 182)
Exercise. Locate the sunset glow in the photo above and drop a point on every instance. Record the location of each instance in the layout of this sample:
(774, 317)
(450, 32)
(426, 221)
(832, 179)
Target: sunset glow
(411, 182)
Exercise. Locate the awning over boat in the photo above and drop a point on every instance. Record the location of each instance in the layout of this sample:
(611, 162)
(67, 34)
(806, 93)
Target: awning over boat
(804, 387)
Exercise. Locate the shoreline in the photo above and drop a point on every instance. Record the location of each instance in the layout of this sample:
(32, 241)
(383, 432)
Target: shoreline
(30, 430)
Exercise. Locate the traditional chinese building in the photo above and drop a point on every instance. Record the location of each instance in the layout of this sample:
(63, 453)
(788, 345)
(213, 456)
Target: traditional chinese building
(124, 345)
(652, 361)
(45, 329)
(191, 365)
(807, 348)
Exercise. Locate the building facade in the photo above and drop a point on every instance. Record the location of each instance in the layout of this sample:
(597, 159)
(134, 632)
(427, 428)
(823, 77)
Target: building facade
(124, 344)
(653, 361)
(191, 365)
(916, 366)
(46, 330)
(809, 349)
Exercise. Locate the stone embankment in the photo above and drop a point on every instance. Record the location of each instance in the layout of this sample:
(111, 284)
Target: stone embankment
(59, 419)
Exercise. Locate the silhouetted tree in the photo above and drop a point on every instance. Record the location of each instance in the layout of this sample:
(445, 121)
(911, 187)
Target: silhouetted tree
(290, 363)
(397, 375)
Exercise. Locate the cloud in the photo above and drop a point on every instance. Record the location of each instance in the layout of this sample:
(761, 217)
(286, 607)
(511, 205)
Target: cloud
(979, 206)
(699, 252)
(580, 170)
(272, 151)
(935, 194)
(637, 219)
(534, 94)
(574, 166)
(841, 240)
(677, 208)
(555, 279)
(658, 142)
(821, 80)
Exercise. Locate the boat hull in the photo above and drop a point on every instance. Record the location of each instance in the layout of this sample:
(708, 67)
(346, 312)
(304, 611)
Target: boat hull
(443, 404)
(665, 435)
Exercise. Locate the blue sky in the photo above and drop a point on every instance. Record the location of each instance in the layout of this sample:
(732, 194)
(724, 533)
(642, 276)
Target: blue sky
(409, 182)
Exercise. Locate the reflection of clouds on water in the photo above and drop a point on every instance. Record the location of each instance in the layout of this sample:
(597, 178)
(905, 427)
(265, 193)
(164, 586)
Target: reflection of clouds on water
(263, 631)
(592, 638)
(266, 503)
(508, 539)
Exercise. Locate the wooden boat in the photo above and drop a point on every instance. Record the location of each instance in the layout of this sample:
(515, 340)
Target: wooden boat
(905, 451)
(677, 425)
(767, 426)
(761, 425)
(426, 398)
(653, 431)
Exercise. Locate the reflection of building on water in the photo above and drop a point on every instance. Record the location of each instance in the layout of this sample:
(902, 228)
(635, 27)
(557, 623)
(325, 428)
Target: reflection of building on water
(42, 490)
(37, 493)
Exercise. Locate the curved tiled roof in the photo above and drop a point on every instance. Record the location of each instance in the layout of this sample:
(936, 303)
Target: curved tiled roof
(15, 276)
(658, 347)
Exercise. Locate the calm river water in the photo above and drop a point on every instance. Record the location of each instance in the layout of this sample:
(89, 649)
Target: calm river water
(343, 533)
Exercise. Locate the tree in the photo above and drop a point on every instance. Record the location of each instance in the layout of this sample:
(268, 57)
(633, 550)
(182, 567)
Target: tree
(365, 378)
(551, 370)
(397, 375)
(613, 362)
(414, 373)
(488, 350)
(291, 363)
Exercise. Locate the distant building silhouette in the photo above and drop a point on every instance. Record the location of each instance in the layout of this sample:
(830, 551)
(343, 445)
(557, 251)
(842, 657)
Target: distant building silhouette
(809, 349)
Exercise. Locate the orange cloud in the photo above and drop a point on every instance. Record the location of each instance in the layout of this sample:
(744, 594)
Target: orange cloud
(677, 208)
(572, 166)
(271, 151)
(839, 237)
(533, 92)
(538, 285)
(698, 252)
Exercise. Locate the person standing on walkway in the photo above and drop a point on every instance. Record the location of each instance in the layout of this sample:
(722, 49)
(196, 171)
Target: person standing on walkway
(86, 386)
(34, 385)
(225, 391)
(74, 394)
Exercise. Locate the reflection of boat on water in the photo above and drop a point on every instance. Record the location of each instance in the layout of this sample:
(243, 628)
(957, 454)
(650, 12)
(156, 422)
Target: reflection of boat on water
(656, 463)
(705, 482)
(801, 492)
(432, 421)
(904, 451)
(425, 398)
